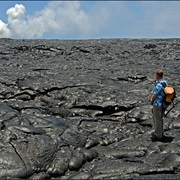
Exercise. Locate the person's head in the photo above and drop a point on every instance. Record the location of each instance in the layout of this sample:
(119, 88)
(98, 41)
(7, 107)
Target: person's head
(159, 74)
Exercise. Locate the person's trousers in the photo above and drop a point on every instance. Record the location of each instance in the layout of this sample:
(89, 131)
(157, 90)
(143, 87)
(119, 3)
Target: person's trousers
(158, 121)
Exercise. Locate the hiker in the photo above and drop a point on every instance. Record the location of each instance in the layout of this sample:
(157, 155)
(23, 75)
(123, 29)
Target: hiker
(157, 100)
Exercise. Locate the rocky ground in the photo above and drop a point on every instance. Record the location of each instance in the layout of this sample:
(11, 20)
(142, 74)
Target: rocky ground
(79, 109)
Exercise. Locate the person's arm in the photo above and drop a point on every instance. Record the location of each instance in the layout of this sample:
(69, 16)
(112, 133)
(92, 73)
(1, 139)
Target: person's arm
(153, 97)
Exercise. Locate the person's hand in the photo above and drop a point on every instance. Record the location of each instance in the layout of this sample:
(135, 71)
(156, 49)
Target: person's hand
(153, 98)
(151, 101)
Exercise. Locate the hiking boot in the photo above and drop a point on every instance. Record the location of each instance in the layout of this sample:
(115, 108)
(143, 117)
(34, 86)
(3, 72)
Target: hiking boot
(155, 138)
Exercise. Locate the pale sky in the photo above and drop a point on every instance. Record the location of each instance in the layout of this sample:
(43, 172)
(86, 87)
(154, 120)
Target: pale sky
(89, 19)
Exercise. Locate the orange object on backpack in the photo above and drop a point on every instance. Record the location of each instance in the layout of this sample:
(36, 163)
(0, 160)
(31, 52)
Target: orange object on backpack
(170, 94)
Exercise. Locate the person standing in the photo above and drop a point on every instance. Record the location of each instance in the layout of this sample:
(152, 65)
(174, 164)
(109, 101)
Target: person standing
(157, 100)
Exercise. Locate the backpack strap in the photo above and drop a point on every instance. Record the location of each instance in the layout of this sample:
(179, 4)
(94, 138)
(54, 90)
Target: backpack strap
(163, 84)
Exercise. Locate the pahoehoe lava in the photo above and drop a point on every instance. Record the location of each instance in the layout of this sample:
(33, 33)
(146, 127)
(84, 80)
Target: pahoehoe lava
(79, 109)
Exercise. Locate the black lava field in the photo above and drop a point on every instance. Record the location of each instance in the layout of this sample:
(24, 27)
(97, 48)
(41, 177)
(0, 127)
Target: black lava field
(79, 109)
